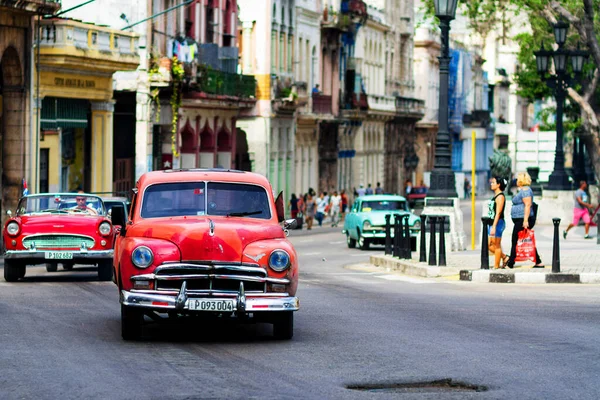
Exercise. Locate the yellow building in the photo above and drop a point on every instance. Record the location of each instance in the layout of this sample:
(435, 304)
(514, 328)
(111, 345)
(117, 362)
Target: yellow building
(74, 88)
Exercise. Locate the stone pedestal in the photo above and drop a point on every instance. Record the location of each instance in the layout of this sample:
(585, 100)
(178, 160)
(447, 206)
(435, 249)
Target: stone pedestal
(450, 207)
(555, 204)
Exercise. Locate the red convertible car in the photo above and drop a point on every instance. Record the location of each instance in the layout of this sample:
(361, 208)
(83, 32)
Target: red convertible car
(206, 243)
(65, 228)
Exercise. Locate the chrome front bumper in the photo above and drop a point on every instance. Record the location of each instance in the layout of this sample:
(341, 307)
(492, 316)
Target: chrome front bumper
(243, 303)
(41, 255)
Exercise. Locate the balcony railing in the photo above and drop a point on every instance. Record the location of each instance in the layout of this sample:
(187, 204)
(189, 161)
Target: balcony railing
(382, 103)
(410, 106)
(321, 104)
(224, 83)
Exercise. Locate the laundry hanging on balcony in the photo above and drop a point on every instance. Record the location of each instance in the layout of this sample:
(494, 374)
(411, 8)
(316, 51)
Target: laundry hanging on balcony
(185, 49)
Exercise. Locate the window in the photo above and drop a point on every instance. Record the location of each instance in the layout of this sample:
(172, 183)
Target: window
(383, 205)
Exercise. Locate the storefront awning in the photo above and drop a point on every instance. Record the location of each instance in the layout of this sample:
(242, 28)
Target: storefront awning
(64, 113)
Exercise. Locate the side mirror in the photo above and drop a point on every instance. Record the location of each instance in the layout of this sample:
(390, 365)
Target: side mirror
(9, 213)
(280, 208)
(290, 224)
(118, 217)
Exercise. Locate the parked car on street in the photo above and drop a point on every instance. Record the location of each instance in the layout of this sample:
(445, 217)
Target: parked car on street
(65, 228)
(365, 222)
(207, 243)
(110, 202)
(416, 197)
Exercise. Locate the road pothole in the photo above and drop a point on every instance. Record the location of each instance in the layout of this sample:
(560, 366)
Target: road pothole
(437, 386)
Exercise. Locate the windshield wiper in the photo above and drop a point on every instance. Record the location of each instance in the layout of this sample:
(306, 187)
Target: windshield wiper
(244, 214)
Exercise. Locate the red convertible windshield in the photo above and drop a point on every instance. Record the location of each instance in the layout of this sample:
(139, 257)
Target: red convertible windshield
(71, 203)
(200, 198)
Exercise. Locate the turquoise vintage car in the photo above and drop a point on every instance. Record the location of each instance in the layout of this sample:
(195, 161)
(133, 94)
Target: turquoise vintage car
(365, 223)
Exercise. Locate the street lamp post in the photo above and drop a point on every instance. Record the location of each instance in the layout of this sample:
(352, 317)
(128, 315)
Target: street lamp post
(559, 83)
(442, 183)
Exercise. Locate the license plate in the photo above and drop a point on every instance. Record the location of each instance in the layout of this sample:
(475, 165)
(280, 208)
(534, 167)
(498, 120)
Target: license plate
(211, 305)
(58, 255)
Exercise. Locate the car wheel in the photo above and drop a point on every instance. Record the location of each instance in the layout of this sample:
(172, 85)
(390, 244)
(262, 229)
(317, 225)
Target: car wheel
(363, 242)
(351, 242)
(67, 266)
(105, 270)
(13, 272)
(283, 325)
(132, 319)
(51, 267)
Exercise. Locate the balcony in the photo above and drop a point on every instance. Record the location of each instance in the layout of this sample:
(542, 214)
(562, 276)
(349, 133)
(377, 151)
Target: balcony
(226, 84)
(218, 58)
(71, 44)
(322, 104)
(382, 103)
(351, 11)
(47, 7)
(409, 107)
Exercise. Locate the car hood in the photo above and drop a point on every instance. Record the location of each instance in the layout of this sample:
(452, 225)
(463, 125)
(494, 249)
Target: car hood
(377, 218)
(193, 236)
(60, 223)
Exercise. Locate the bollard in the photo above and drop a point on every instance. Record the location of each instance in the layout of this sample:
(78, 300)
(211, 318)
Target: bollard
(485, 253)
(388, 235)
(396, 247)
(556, 247)
(442, 258)
(401, 240)
(432, 222)
(407, 248)
(423, 255)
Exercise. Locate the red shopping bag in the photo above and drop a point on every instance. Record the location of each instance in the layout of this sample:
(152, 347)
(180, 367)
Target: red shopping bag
(525, 246)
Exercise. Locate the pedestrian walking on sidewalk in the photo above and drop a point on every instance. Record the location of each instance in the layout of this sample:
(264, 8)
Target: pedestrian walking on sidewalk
(581, 210)
(521, 213)
(293, 205)
(335, 204)
(322, 203)
(496, 208)
(311, 208)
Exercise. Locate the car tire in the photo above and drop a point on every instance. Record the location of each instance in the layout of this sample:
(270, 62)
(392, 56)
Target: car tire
(105, 270)
(67, 266)
(12, 271)
(351, 242)
(363, 242)
(51, 267)
(283, 325)
(132, 319)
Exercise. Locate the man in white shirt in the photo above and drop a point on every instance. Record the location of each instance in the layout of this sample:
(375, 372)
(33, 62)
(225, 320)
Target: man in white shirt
(321, 204)
(361, 190)
(335, 204)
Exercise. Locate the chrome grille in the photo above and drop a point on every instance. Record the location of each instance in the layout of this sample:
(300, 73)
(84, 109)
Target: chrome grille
(58, 241)
(206, 278)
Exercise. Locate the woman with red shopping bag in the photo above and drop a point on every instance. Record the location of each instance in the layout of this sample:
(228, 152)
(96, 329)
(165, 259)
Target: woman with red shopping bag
(522, 207)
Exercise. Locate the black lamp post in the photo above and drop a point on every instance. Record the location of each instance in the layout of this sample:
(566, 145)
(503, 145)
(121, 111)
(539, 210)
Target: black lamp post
(442, 177)
(559, 83)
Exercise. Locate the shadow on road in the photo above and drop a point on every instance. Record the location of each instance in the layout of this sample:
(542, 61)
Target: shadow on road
(77, 274)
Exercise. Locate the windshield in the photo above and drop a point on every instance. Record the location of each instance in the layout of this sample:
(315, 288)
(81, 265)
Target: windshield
(383, 205)
(74, 203)
(199, 198)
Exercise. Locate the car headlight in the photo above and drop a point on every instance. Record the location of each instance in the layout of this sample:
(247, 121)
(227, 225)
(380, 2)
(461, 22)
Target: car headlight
(142, 257)
(105, 228)
(279, 260)
(366, 225)
(12, 228)
(417, 225)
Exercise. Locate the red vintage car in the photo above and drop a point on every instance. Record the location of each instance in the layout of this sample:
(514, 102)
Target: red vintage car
(65, 228)
(208, 243)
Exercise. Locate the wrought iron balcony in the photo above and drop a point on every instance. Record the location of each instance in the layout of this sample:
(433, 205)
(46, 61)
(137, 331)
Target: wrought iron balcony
(409, 107)
(224, 83)
(321, 104)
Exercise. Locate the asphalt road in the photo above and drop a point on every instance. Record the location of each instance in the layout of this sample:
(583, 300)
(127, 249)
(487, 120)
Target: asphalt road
(60, 338)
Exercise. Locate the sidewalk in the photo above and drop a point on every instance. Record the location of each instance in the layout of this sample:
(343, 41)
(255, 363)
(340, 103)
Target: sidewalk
(579, 261)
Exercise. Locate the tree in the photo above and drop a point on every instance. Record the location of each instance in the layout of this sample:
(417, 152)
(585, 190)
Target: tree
(584, 18)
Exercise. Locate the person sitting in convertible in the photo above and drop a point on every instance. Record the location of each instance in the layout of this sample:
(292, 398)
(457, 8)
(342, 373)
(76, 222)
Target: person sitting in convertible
(82, 206)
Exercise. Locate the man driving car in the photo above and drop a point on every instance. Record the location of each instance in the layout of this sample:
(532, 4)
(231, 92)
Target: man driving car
(82, 206)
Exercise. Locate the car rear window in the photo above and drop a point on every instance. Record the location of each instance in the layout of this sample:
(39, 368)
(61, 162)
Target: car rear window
(200, 198)
(383, 205)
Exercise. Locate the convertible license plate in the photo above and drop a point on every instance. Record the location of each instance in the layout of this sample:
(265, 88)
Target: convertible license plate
(58, 255)
(211, 305)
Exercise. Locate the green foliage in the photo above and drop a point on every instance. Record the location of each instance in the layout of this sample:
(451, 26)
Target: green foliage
(177, 74)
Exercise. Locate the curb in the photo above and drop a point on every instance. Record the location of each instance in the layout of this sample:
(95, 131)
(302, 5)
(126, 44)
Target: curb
(413, 268)
(487, 276)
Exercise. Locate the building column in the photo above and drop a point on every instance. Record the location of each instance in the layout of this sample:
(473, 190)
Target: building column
(143, 132)
(247, 43)
(102, 146)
